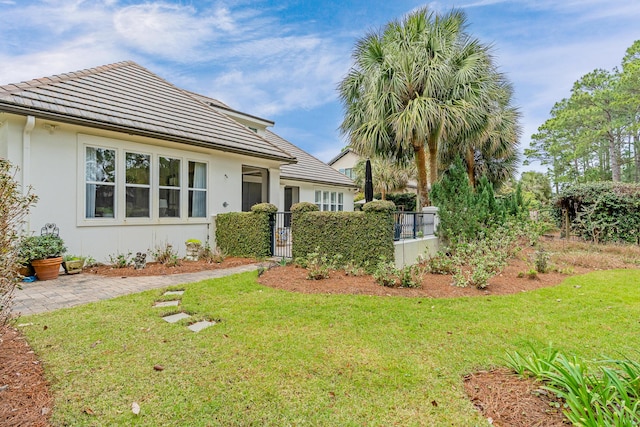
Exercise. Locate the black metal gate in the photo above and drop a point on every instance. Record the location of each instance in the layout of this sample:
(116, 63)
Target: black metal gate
(281, 238)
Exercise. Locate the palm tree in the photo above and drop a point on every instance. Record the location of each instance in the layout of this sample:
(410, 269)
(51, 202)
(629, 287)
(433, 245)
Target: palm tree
(414, 85)
(488, 145)
(388, 175)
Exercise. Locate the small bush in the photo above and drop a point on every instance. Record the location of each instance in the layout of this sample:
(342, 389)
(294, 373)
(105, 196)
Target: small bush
(387, 274)
(267, 208)
(165, 254)
(541, 260)
(14, 207)
(379, 206)
(318, 266)
(120, 260)
(211, 256)
(303, 207)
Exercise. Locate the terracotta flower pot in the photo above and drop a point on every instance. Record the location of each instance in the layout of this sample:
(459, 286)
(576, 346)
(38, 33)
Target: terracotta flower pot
(47, 269)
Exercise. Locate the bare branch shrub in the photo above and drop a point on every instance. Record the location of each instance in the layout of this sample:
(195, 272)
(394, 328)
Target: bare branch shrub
(14, 207)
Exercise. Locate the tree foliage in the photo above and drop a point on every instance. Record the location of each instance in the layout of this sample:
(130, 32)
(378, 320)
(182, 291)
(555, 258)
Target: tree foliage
(594, 135)
(466, 214)
(388, 176)
(422, 87)
(602, 211)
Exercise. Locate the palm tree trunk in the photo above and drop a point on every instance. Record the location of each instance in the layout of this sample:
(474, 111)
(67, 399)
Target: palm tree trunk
(471, 167)
(432, 142)
(421, 166)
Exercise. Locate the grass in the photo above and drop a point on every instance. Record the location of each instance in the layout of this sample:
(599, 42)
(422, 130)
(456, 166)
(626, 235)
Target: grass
(280, 358)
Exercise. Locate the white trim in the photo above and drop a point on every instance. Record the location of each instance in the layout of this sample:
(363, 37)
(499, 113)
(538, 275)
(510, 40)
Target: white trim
(155, 152)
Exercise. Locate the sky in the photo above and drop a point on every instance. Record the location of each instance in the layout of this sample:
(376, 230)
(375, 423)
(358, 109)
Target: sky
(283, 60)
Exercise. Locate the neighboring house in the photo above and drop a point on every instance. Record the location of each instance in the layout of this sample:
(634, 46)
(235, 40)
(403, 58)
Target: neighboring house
(123, 161)
(346, 161)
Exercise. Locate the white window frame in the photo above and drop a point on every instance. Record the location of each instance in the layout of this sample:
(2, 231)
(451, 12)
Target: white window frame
(121, 147)
(329, 200)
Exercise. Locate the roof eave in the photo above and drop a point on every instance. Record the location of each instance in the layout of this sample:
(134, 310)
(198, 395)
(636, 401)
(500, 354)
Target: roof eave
(315, 181)
(48, 115)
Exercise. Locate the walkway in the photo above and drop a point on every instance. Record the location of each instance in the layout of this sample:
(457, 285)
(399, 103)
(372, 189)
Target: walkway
(72, 290)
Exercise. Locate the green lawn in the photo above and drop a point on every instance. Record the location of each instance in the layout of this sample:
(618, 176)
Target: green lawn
(282, 359)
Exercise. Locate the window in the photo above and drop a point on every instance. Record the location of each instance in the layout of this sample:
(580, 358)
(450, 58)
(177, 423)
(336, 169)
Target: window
(100, 182)
(197, 190)
(348, 172)
(122, 185)
(169, 188)
(137, 185)
(329, 200)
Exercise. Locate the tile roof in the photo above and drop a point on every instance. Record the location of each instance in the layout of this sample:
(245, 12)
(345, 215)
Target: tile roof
(308, 168)
(128, 98)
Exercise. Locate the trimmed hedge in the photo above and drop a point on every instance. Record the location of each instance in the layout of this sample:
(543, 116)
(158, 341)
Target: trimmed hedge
(244, 234)
(602, 211)
(360, 237)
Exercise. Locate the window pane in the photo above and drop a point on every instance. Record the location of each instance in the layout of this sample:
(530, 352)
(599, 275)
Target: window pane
(137, 202)
(197, 175)
(318, 197)
(340, 198)
(100, 201)
(100, 165)
(197, 204)
(169, 203)
(169, 172)
(138, 167)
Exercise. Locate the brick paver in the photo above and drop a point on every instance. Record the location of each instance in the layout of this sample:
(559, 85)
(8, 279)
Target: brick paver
(72, 290)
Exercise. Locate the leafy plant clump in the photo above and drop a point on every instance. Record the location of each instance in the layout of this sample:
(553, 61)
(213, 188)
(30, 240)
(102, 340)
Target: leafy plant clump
(318, 265)
(541, 260)
(120, 260)
(601, 211)
(41, 247)
(14, 207)
(164, 253)
(606, 396)
(211, 255)
(387, 274)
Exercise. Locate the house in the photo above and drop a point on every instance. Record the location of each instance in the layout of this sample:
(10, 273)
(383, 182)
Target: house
(346, 161)
(123, 161)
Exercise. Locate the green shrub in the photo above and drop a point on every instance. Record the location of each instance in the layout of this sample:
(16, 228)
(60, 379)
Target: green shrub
(41, 247)
(267, 208)
(601, 211)
(359, 237)
(379, 206)
(244, 234)
(465, 213)
(303, 207)
(387, 274)
(319, 266)
(120, 260)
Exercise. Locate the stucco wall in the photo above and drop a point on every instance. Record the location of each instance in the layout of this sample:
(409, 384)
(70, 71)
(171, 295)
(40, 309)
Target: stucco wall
(407, 252)
(56, 172)
(308, 193)
(349, 160)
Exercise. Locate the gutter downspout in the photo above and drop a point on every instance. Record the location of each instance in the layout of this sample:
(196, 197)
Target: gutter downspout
(26, 153)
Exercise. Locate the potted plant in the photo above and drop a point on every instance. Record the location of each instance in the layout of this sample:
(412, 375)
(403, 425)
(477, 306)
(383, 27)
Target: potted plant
(73, 264)
(194, 247)
(44, 253)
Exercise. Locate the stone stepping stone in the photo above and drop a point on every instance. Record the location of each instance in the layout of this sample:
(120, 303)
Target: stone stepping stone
(176, 317)
(167, 303)
(174, 293)
(198, 326)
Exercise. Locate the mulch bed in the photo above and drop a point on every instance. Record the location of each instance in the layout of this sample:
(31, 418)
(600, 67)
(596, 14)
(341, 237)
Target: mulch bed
(24, 393)
(157, 269)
